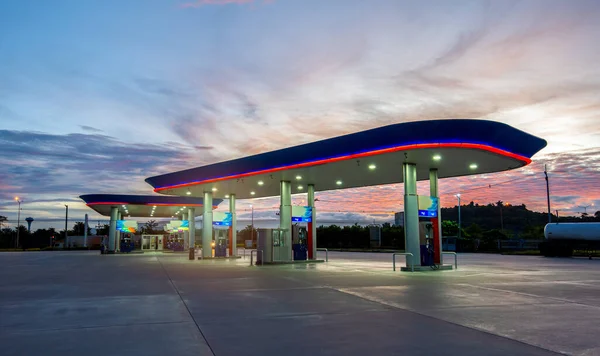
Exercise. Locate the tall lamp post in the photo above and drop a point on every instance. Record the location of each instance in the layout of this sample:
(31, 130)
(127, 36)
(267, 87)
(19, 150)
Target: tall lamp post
(459, 222)
(501, 217)
(18, 219)
(548, 194)
(66, 221)
(252, 223)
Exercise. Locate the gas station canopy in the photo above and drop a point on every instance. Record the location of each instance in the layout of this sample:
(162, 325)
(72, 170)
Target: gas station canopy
(373, 157)
(158, 206)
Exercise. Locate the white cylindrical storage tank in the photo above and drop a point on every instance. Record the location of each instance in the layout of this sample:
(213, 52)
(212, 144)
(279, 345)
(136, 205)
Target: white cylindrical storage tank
(572, 231)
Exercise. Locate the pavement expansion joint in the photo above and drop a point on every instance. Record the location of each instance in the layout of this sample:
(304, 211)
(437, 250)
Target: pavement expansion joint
(533, 295)
(398, 307)
(108, 326)
(186, 306)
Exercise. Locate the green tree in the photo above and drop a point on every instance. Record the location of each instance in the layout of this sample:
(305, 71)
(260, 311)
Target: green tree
(392, 236)
(102, 229)
(474, 231)
(449, 228)
(533, 232)
(79, 229)
(493, 235)
(42, 238)
(6, 237)
(489, 240)
(23, 236)
(150, 227)
(3, 219)
(248, 233)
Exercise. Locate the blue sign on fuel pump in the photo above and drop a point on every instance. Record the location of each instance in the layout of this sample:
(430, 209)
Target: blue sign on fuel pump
(222, 218)
(428, 206)
(301, 213)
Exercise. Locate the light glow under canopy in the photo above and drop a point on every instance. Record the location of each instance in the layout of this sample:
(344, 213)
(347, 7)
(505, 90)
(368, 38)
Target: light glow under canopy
(156, 206)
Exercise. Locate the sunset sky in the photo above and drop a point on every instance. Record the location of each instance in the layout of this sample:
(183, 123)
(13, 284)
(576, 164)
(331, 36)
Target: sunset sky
(97, 95)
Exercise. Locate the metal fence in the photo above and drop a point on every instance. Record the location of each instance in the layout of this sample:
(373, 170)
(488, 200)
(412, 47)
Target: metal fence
(515, 245)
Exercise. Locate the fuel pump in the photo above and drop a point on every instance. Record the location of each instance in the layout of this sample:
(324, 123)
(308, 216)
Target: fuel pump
(299, 242)
(221, 237)
(426, 239)
(127, 244)
(175, 241)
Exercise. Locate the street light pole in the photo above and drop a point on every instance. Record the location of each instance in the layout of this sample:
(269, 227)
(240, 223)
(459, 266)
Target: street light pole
(252, 223)
(501, 218)
(18, 219)
(548, 194)
(459, 222)
(66, 221)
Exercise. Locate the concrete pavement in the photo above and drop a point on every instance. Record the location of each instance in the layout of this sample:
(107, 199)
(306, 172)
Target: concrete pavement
(80, 303)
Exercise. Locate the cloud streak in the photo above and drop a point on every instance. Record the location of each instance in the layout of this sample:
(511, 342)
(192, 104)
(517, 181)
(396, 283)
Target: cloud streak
(90, 129)
(201, 3)
(48, 170)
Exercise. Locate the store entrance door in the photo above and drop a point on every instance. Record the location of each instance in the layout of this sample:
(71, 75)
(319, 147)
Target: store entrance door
(152, 243)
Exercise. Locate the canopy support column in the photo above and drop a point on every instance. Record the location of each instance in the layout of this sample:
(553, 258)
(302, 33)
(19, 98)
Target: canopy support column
(285, 213)
(192, 232)
(118, 233)
(185, 234)
(312, 226)
(207, 222)
(233, 227)
(112, 230)
(411, 215)
(436, 222)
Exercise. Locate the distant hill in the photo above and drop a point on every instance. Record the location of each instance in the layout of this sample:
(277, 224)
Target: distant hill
(513, 219)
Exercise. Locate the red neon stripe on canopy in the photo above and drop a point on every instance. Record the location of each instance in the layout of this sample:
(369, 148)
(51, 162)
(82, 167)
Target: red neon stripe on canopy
(146, 204)
(358, 155)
